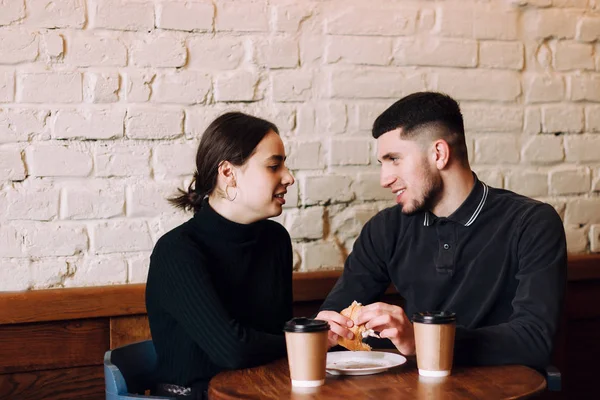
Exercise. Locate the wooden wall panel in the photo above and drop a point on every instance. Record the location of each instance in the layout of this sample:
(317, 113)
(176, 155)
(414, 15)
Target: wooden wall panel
(130, 329)
(52, 342)
(56, 384)
(46, 345)
(74, 303)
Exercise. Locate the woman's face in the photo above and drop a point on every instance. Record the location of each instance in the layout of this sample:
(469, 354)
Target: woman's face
(262, 181)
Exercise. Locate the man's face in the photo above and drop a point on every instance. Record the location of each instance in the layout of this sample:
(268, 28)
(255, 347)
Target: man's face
(408, 172)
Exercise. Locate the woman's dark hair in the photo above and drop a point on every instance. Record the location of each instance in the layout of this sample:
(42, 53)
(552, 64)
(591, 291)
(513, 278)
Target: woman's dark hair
(231, 137)
(425, 109)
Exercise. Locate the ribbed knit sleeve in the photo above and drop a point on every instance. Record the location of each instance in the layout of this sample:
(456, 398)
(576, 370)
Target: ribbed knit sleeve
(188, 295)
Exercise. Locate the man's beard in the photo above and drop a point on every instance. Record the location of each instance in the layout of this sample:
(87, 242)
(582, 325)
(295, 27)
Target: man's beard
(432, 190)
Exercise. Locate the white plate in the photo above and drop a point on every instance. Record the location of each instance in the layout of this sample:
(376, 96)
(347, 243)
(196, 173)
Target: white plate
(362, 362)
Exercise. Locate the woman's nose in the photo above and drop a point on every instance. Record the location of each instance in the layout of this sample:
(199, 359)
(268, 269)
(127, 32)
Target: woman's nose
(288, 178)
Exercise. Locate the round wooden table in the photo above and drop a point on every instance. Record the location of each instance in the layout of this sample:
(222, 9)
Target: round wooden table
(272, 381)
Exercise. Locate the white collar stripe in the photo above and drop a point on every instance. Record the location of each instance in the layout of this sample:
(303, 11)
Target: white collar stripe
(480, 206)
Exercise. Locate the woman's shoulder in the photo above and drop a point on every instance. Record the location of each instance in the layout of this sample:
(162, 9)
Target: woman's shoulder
(178, 240)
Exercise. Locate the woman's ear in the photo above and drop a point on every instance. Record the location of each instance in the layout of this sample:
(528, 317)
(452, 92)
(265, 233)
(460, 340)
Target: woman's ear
(227, 173)
(441, 153)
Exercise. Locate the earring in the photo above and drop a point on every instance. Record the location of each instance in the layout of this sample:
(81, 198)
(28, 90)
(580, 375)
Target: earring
(227, 196)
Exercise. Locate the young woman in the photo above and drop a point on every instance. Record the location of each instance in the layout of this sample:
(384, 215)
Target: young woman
(219, 287)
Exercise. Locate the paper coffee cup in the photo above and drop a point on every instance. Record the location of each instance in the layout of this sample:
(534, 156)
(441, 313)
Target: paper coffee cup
(434, 341)
(306, 342)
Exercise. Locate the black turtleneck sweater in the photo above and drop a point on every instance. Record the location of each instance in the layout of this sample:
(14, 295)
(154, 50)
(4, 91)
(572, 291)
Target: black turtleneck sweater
(217, 296)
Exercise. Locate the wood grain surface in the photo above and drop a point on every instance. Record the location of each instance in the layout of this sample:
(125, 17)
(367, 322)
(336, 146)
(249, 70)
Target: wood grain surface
(57, 384)
(272, 382)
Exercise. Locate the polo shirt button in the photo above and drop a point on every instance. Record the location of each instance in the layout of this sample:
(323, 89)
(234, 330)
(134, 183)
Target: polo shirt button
(446, 246)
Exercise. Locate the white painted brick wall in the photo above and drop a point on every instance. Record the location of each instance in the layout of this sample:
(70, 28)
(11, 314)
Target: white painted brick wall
(565, 181)
(56, 14)
(181, 87)
(95, 201)
(188, 16)
(325, 189)
(305, 223)
(120, 236)
(495, 149)
(585, 87)
(49, 87)
(11, 164)
(105, 270)
(367, 50)
(95, 51)
(101, 87)
(45, 239)
(583, 211)
(132, 15)
(18, 46)
(45, 159)
(103, 102)
(11, 11)
(544, 88)
(7, 86)
(153, 123)
(474, 85)
(543, 149)
(21, 124)
(573, 56)
(501, 55)
(437, 52)
(595, 238)
(158, 51)
(528, 183)
(86, 123)
(137, 268)
(35, 200)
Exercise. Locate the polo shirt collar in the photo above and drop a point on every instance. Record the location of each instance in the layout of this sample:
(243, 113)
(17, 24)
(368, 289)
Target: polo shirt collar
(469, 210)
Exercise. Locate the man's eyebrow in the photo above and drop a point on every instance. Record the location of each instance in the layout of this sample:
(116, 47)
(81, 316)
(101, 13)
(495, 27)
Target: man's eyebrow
(388, 156)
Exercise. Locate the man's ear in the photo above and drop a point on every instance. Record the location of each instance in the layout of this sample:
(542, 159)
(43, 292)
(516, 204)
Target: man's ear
(441, 153)
(227, 173)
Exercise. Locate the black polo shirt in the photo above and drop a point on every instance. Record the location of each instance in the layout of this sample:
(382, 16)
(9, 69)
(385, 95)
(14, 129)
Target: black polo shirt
(499, 262)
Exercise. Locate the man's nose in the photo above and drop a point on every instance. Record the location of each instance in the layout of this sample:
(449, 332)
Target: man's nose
(385, 179)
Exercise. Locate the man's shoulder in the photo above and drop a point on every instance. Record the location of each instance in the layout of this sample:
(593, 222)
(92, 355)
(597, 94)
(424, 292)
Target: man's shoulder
(517, 203)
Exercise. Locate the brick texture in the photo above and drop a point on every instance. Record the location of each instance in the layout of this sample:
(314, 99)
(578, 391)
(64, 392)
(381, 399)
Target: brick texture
(103, 103)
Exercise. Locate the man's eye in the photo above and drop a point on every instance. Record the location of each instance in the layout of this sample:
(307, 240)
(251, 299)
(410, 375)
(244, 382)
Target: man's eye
(274, 167)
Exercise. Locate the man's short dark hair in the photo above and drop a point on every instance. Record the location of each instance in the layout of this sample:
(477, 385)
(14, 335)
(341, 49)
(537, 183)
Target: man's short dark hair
(425, 110)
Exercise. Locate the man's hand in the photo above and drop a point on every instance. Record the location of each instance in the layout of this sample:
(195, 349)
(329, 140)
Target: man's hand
(338, 326)
(392, 323)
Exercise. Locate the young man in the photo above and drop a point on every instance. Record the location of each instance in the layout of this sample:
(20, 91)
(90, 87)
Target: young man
(495, 258)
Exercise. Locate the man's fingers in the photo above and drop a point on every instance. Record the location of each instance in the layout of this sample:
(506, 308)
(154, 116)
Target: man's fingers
(338, 324)
(335, 317)
(380, 322)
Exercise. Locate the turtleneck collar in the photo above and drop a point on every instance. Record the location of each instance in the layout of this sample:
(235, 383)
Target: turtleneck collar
(213, 223)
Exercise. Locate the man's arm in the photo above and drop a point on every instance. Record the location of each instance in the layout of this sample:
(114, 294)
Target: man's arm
(527, 338)
(365, 277)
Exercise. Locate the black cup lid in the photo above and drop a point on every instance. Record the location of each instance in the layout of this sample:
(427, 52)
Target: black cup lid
(305, 325)
(434, 317)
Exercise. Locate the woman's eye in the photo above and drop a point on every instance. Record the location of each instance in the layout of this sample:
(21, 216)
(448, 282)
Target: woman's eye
(274, 167)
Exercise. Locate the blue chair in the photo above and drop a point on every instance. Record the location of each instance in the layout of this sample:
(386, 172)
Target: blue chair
(128, 370)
